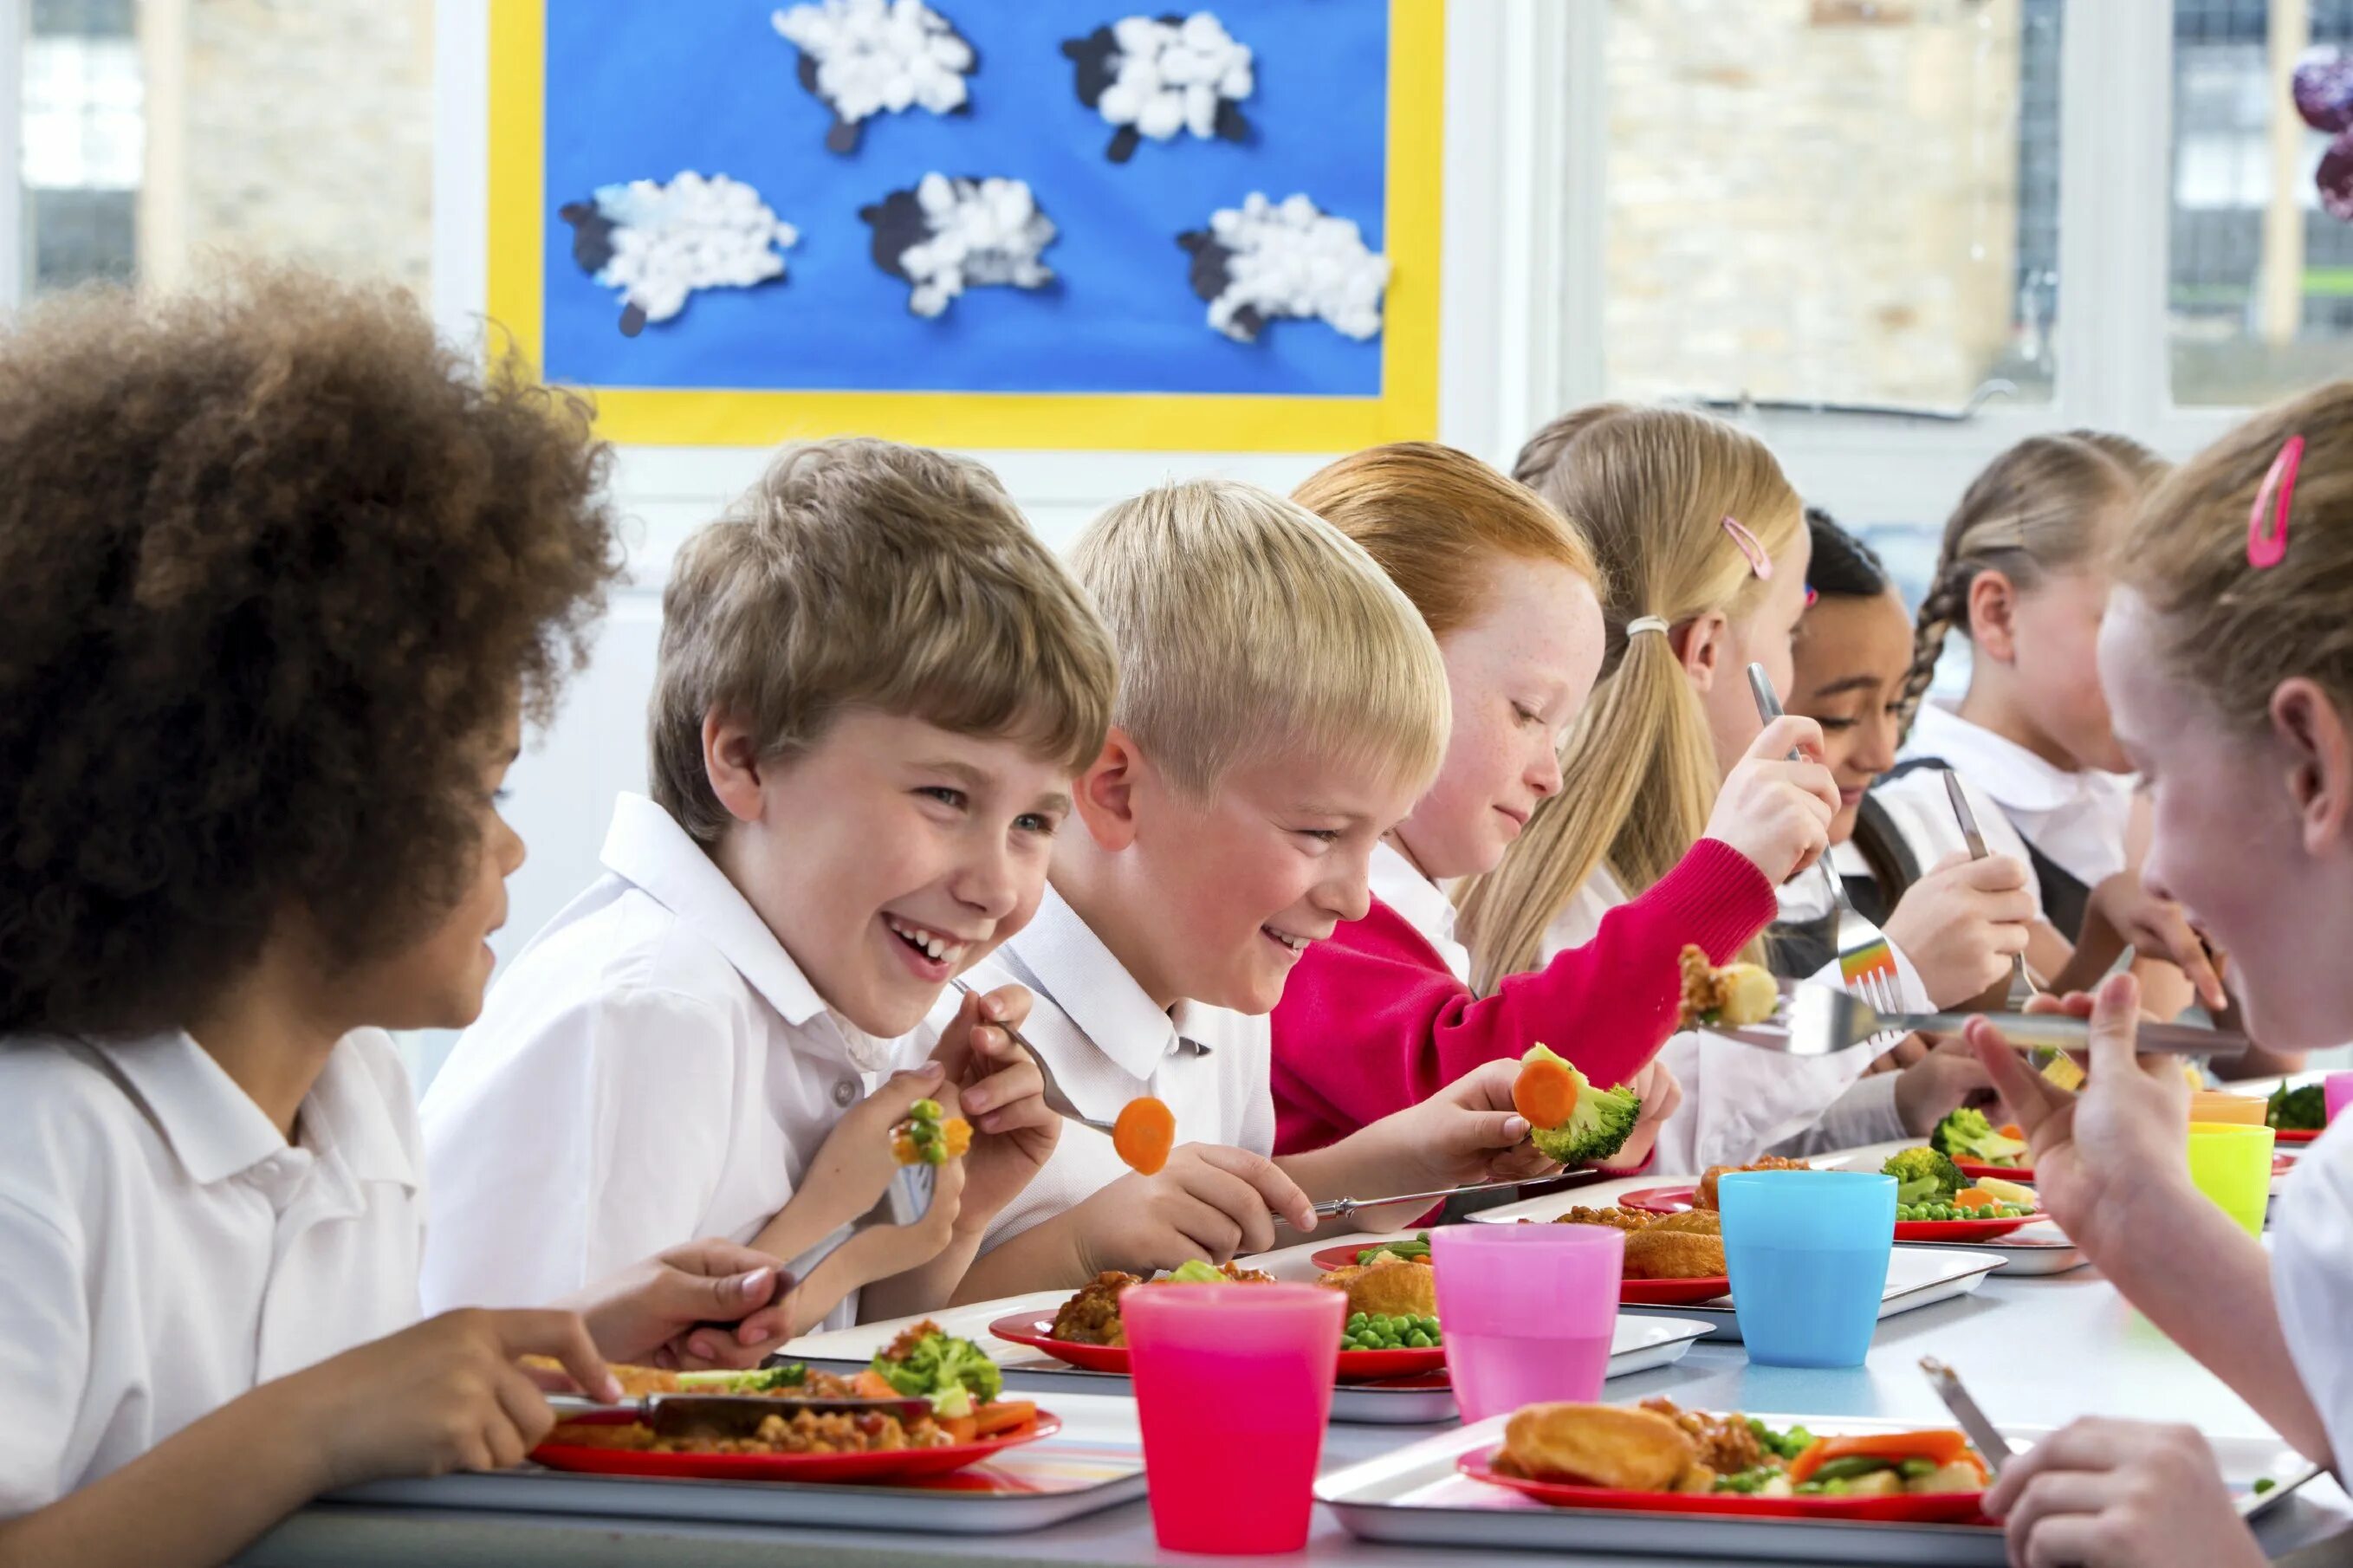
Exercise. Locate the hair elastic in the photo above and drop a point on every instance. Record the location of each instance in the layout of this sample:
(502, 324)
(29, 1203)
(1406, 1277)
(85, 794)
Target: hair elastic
(2268, 549)
(1758, 562)
(1641, 624)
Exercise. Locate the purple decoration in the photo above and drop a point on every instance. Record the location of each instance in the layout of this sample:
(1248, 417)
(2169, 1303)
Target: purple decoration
(2323, 85)
(2335, 178)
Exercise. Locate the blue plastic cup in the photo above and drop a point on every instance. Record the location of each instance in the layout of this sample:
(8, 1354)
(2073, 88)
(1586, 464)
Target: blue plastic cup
(1808, 1254)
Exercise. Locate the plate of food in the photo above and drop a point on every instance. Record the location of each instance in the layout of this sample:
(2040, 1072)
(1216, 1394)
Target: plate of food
(1702, 1193)
(1412, 1249)
(1392, 1328)
(1936, 1201)
(1656, 1458)
(1671, 1261)
(2299, 1113)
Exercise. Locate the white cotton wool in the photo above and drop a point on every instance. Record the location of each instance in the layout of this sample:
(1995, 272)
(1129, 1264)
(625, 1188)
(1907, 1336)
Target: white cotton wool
(1159, 77)
(950, 234)
(1262, 260)
(658, 244)
(864, 57)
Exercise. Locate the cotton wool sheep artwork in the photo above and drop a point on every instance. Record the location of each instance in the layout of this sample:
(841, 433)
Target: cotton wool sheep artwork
(865, 57)
(1266, 260)
(949, 234)
(1161, 77)
(658, 243)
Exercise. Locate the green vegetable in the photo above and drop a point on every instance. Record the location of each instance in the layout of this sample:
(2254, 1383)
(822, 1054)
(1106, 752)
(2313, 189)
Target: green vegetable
(1419, 1247)
(759, 1380)
(2264, 1485)
(1922, 1175)
(938, 1363)
(1966, 1134)
(1194, 1273)
(1604, 1119)
(1383, 1332)
(1852, 1466)
(1917, 1468)
(2302, 1110)
(1748, 1483)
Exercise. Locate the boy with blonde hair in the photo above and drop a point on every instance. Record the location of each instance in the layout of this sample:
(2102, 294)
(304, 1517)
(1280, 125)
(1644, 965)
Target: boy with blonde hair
(875, 685)
(1281, 706)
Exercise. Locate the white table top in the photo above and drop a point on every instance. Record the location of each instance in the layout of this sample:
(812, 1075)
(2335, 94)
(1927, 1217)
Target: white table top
(2035, 1351)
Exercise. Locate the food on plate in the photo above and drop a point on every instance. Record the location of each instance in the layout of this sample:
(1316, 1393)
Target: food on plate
(1960, 1208)
(1669, 1251)
(1659, 1446)
(923, 1138)
(1923, 1176)
(1413, 1250)
(1619, 1218)
(2296, 1109)
(1704, 1196)
(1928, 1185)
(1966, 1134)
(2005, 1191)
(1144, 1133)
(1388, 1287)
(1694, 1222)
(1593, 1123)
(1600, 1446)
(1383, 1332)
(1731, 997)
(801, 1431)
(1091, 1317)
(790, 1379)
(928, 1361)
(1884, 1464)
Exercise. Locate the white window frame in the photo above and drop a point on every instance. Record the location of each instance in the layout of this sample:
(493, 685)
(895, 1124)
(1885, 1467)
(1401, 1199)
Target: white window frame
(16, 23)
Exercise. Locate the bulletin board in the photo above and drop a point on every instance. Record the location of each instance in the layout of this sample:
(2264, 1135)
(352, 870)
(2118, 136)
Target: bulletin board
(1115, 352)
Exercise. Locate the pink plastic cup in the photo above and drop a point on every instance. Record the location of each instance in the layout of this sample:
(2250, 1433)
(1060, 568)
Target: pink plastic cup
(1233, 1386)
(2336, 1093)
(1526, 1312)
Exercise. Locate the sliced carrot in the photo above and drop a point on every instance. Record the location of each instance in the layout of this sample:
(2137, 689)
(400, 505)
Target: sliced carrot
(1144, 1132)
(961, 1429)
(1941, 1448)
(1974, 1198)
(1545, 1092)
(871, 1384)
(2012, 1129)
(1004, 1415)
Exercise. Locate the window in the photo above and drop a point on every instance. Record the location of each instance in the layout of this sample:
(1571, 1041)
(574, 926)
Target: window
(1836, 201)
(2260, 282)
(83, 142)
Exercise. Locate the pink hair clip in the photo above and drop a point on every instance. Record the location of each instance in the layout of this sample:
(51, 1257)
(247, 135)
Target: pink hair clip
(1758, 562)
(2266, 549)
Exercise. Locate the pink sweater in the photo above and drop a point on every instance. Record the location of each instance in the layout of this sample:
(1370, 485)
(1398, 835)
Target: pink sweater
(1372, 1021)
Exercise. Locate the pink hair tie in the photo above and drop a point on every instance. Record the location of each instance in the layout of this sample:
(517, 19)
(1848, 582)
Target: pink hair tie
(1758, 562)
(2268, 549)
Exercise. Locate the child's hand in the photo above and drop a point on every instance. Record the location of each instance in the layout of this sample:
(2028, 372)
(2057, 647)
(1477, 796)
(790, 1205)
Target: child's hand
(2120, 1494)
(1661, 1096)
(1775, 811)
(443, 1396)
(878, 1251)
(2156, 928)
(855, 1163)
(1939, 1083)
(1962, 923)
(1002, 1092)
(1466, 1132)
(1210, 1202)
(1899, 1056)
(706, 1304)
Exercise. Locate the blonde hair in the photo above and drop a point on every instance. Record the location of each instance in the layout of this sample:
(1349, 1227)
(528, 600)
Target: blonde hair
(1651, 488)
(1247, 626)
(2028, 514)
(1431, 517)
(863, 573)
(2233, 632)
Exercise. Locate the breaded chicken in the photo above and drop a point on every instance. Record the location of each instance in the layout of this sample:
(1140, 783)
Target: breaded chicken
(1597, 1445)
(1725, 1443)
(1659, 1253)
(1705, 1196)
(1691, 1222)
(1388, 1285)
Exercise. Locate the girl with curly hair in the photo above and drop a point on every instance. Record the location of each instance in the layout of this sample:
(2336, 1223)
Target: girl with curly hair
(285, 575)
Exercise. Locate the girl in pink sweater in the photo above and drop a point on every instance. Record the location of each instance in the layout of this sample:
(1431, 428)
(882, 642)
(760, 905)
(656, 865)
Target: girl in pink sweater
(1381, 1016)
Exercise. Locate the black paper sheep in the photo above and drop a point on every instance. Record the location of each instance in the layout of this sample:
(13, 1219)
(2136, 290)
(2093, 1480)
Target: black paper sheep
(947, 234)
(658, 243)
(1263, 261)
(1159, 77)
(864, 57)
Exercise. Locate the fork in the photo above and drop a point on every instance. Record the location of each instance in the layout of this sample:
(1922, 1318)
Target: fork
(1056, 1101)
(1822, 1020)
(1865, 960)
(2024, 979)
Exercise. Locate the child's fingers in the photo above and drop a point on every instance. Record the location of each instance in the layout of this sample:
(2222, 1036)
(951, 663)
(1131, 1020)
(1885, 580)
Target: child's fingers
(2030, 1095)
(952, 1050)
(550, 1331)
(1278, 1192)
(2115, 1025)
(1007, 1089)
(527, 1418)
(1785, 734)
(1007, 1006)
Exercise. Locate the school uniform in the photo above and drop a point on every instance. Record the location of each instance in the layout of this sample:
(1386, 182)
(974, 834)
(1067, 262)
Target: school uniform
(1107, 1043)
(2070, 826)
(653, 1069)
(1739, 1101)
(162, 1249)
(2312, 1274)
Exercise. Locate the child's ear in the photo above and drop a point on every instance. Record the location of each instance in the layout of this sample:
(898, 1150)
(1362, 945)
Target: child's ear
(1105, 794)
(732, 762)
(1992, 607)
(1703, 644)
(2320, 761)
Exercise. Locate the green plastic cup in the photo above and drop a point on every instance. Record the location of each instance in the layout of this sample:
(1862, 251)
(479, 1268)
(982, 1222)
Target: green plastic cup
(2232, 1165)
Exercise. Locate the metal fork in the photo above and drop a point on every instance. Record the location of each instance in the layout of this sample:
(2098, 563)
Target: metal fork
(2023, 980)
(1822, 1020)
(1056, 1101)
(1866, 963)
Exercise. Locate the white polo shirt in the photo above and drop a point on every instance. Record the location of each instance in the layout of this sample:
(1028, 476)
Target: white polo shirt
(1107, 1043)
(653, 1069)
(2312, 1271)
(162, 1250)
(1423, 903)
(2078, 819)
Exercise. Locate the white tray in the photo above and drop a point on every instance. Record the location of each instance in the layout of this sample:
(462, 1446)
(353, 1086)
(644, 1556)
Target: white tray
(2039, 1248)
(1094, 1462)
(1416, 1496)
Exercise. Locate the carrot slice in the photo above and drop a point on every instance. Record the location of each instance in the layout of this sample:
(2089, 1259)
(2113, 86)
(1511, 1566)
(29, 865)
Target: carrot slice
(961, 1429)
(1545, 1092)
(1974, 1198)
(2012, 1129)
(1004, 1415)
(871, 1384)
(1943, 1446)
(1144, 1132)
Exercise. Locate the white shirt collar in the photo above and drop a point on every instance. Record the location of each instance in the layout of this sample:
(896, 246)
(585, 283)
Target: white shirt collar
(1059, 955)
(1421, 902)
(2016, 777)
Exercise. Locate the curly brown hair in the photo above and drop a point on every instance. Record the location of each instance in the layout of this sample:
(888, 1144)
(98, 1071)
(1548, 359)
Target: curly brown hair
(278, 562)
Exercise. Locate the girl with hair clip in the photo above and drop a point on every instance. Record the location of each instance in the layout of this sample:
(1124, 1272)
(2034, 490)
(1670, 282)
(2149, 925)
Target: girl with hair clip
(1704, 550)
(2022, 574)
(2227, 662)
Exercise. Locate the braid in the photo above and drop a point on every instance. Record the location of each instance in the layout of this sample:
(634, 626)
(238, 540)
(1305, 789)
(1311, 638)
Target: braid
(1946, 602)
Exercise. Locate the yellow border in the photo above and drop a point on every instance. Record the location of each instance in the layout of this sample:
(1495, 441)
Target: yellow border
(1406, 410)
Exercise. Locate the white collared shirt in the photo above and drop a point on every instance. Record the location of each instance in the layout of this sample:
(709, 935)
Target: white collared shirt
(2078, 819)
(162, 1250)
(2312, 1271)
(653, 1069)
(1807, 897)
(1107, 1043)
(1423, 904)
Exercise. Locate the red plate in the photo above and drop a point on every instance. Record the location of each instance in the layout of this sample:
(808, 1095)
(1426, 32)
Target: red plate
(1961, 1230)
(2282, 1163)
(1932, 1508)
(2294, 1134)
(1976, 1172)
(1332, 1258)
(1036, 1331)
(1671, 1292)
(894, 1464)
(1659, 1200)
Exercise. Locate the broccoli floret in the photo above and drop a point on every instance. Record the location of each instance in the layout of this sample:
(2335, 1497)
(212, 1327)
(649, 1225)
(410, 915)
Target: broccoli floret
(2302, 1110)
(1923, 1176)
(1966, 1134)
(936, 1364)
(1598, 1126)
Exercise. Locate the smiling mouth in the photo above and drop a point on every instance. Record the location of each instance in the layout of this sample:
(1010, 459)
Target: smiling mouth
(1297, 945)
(1517, 818)
(939, 947)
